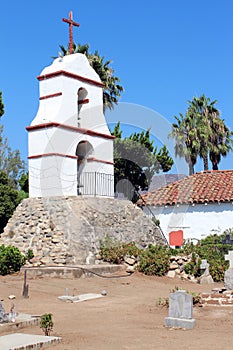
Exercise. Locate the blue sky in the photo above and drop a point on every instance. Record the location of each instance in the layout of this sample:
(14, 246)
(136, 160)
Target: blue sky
(164, 51)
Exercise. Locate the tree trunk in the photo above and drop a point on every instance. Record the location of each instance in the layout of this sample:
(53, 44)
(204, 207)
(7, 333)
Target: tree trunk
(205, 162)
(191, 169)
(215, 166)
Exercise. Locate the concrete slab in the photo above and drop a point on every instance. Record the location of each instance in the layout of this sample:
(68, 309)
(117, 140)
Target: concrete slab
(76, 271)
(81, 297)
(21, 321)
(20, 341)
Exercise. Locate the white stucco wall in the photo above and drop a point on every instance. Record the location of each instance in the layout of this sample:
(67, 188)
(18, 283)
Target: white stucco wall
(52, 150)
(64, 108)
(196, 221)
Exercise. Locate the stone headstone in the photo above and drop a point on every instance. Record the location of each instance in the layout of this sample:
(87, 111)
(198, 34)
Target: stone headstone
(205, 278)
(228, 276)
(3, 315)
(180, 310)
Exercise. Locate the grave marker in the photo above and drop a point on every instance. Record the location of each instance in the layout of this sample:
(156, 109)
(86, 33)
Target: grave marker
(25, 285)
(228, 276)
(205, 278)
(227, 240)
(180, 310)
(229, 257)
(3, 315)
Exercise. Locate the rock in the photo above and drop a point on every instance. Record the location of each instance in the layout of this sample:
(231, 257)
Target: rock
(173, 266)
(56, 239)
(129, 261)
(45, 260)
(171, 274)
(90, 259)
(11, 297)
(98, 257)
(71, 226)
(206, 280)
(130, 269)
(60, 261)
(192, 279)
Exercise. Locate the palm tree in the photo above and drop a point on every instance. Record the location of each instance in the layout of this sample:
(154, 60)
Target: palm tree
(201, 132)
(112, 89)
(220, 141)
(214, 135)
(1, 105)
(203, 110)
(187, 144)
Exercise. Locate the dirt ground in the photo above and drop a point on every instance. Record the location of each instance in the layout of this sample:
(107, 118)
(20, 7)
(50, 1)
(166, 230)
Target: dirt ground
(127, 318)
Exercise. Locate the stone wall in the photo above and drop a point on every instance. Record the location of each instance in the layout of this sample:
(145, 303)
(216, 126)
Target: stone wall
(66, 230)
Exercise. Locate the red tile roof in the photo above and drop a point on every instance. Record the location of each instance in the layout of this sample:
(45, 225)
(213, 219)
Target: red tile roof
(204, 187)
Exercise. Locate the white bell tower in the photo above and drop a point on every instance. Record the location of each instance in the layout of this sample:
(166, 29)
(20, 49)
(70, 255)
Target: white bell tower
(70, 145)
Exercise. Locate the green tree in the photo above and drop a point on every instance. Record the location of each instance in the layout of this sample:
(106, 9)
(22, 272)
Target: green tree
(8, 200)
(202, 110)
(187, 144)
(10, 161)
(201, 132)
(1, 105)
(11, 169)
(136, 160)
(220, 141)
(11, 259)
(112, 88)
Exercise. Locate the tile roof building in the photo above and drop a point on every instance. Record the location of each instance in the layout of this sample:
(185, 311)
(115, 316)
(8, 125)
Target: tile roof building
(196, 204)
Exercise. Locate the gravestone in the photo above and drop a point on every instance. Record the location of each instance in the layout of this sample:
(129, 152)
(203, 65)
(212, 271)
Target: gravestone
(3, 315)
(205, 278)
(25, 285)
(180, 310)
(228, 276)
(227, 240)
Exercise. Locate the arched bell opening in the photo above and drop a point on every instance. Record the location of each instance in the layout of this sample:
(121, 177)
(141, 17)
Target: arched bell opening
(81, 100)
(83, 151)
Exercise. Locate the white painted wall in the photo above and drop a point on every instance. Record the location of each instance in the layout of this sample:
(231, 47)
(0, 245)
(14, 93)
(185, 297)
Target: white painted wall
(64, 108)
(56, 175)
(196, 221)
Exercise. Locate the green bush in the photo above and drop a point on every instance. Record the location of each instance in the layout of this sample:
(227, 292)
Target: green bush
(114, 252)
(46, 323)
(11, 259)
(154, 260)
(213, 250)
(193, 267)
(29, 254)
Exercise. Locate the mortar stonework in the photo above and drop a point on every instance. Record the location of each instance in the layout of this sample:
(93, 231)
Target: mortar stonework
(65, 230)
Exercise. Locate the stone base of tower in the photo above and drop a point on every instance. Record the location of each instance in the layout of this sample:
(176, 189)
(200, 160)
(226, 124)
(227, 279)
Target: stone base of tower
(67, 230)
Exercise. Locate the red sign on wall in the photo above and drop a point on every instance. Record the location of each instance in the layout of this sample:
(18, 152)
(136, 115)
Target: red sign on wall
(176, 238)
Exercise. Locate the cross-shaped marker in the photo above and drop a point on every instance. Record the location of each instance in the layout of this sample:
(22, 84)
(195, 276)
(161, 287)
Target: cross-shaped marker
(71, 24)
(229, 257)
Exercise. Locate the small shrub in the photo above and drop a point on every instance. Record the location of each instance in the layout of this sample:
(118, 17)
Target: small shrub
(154, 260)
(11, 259)
(164, 302)
(29, 254)
(114, 252)
(193, 267)
(46, 323)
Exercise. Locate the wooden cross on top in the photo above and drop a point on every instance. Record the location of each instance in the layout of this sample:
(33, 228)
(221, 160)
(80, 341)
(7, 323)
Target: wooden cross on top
(71, 24)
